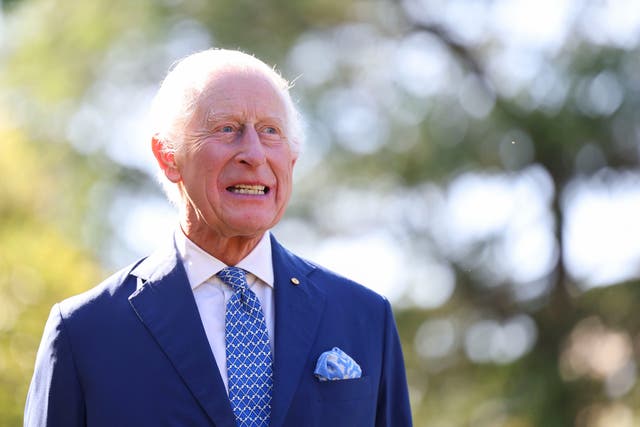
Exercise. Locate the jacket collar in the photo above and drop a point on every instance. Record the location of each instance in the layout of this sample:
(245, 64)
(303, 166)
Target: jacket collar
(299, 304)
(165, 304)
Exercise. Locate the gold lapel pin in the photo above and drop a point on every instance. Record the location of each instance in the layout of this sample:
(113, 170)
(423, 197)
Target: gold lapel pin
(295, 281)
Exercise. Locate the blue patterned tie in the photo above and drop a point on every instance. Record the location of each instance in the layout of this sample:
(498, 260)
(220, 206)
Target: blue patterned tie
(249, 368)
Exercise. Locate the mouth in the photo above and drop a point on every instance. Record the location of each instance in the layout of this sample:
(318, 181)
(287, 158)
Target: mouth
(250, 189)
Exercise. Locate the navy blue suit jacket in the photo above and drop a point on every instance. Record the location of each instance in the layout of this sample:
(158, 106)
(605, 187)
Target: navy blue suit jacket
(133, 352)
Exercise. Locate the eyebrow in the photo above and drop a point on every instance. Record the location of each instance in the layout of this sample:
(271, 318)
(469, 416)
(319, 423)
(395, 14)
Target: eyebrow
(212, 116)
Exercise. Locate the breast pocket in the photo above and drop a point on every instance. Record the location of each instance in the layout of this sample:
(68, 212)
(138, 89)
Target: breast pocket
(344, 390)
(342, 403)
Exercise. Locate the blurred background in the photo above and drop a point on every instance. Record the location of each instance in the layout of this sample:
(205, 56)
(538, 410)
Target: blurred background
(475, 161)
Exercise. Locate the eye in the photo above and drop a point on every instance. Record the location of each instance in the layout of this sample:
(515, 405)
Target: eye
(227, 129)
(270, 130)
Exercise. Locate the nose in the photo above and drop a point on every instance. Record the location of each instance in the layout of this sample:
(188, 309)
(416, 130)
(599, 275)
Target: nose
(251, 149)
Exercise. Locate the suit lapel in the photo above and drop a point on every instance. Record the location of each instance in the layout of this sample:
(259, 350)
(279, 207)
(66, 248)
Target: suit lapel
(298, 308)
(165, 304)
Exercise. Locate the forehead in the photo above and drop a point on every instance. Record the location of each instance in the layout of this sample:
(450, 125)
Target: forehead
(241, 92)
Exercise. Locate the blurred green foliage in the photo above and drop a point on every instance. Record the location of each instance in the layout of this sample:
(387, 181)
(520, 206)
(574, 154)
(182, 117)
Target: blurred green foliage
(59, 58)
(39, 264)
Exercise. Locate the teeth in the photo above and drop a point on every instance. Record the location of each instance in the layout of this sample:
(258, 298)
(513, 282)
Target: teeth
(248, 189)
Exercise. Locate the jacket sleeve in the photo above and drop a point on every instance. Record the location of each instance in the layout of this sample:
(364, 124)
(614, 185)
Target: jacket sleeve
(55, 397)
(393, 409)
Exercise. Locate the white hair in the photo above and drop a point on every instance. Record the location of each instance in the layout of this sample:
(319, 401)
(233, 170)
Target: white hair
(176, 100)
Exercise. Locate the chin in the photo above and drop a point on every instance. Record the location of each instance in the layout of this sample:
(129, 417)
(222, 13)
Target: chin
(251, 230)
(251, 224)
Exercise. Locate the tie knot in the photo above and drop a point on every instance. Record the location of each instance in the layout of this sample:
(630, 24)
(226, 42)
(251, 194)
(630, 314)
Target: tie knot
(234, 277)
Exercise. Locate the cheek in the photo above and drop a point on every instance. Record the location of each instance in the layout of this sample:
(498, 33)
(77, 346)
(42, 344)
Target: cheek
(286, 175)
(214, 192)
(287, 189)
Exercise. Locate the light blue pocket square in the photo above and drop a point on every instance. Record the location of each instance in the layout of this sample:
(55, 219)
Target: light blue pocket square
(335, 364)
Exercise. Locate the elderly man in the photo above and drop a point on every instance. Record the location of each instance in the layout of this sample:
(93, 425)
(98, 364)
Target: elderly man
(223, 326)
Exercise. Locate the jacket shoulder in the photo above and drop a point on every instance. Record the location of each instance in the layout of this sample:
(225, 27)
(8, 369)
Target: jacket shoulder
(334, 283)
(120, 282)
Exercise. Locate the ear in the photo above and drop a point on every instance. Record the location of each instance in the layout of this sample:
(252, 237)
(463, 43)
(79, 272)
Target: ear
(166, 159)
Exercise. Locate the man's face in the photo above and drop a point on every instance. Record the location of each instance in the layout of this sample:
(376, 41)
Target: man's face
(236, 165)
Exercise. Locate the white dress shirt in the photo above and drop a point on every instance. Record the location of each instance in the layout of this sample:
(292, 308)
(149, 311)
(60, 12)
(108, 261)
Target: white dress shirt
(212, 295)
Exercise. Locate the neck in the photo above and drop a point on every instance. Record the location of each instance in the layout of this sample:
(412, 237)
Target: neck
(230, 250)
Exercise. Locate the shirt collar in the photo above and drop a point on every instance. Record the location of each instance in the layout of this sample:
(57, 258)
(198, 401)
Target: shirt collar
(200, 265)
